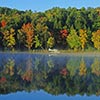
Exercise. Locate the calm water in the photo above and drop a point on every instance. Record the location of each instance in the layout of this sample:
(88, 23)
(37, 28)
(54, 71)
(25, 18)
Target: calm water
(51, 77)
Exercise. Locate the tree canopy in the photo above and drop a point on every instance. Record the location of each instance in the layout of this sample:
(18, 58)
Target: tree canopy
(54, 25)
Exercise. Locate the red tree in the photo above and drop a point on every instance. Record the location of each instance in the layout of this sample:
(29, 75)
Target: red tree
(64, 33)
(3, 23)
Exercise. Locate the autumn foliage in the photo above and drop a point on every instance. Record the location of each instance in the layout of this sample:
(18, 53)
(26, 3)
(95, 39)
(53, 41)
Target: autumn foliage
(64, 33)
(3, 23)
(69, 29)
(28, 29)
(96, 39)
(83, 38)
(9, 39)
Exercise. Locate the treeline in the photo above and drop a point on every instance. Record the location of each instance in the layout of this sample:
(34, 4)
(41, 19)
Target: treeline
(71, 28)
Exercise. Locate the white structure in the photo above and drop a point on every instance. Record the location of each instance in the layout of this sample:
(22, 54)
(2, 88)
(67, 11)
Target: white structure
(53, 50)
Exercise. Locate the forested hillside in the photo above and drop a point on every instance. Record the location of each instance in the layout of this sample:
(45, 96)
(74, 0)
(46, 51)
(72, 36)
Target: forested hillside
(71, 28)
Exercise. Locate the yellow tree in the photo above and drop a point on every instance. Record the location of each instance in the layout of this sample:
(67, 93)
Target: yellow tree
(9, 39)
(83, 38)
(96, 39)
(28, 29)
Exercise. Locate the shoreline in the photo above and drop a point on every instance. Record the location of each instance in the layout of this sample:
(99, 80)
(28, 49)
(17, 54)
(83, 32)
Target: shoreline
(80, 53)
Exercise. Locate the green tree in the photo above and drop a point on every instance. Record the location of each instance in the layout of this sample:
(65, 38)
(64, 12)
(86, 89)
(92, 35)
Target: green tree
(50, 42)
(37, 42)
(20, 39)
(73, 39)
(71, 17)
(43, 33)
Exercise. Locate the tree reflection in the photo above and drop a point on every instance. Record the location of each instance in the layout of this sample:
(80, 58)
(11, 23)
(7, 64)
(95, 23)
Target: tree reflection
(82, 69)
(73, 65)
(35, 73)
(96, 67)
(28, 73)
(9, 67)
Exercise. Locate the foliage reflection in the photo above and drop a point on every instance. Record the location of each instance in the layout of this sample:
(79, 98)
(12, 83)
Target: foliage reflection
(54, 74)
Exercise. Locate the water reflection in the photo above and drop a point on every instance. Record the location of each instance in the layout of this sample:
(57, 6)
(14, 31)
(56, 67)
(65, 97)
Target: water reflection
(58, 74)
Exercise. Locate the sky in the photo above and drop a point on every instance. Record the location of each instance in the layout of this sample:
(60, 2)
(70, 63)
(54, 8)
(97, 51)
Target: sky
(43, 5)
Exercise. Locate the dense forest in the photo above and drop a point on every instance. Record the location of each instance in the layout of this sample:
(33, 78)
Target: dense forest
(68, 29)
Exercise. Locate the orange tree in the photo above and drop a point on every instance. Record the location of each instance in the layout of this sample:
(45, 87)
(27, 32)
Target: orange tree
(28, 29)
